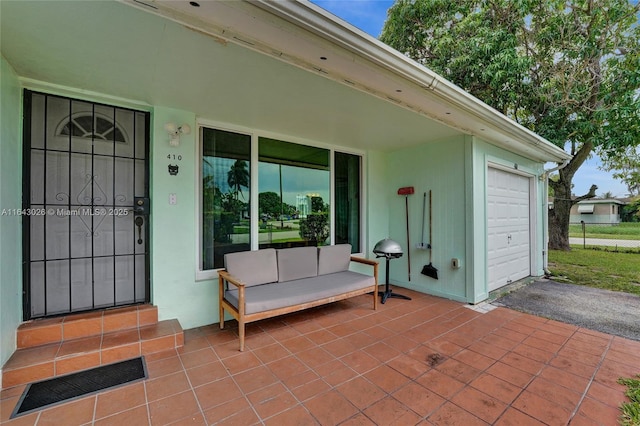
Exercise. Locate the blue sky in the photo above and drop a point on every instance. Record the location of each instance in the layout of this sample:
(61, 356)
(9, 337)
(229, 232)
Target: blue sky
(369, 16)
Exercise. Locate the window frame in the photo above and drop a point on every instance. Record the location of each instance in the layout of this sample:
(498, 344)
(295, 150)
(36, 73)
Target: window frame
(255, 134)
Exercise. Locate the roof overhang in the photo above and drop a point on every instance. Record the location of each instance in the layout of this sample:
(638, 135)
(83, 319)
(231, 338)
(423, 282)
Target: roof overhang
(312, 38)
(602, 201)
(286, 67)
(485, 122)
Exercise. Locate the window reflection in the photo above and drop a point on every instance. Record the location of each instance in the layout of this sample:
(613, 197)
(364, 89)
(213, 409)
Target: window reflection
(225, 195)
(347, 199)
(293, 194)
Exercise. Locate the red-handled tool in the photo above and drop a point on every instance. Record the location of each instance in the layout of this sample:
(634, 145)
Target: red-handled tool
(406, 191)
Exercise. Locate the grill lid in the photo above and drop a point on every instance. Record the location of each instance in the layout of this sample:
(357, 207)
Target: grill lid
(388, 247)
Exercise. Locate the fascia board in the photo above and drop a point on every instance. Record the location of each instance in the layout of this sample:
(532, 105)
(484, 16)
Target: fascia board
(520, 134)
(322, 23)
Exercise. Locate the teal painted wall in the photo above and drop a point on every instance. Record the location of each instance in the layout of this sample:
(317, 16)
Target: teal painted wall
(376, 213)
(439, 167)
(174, 235)
(174, 228)
(455, 170)
(481, 155)
(10, 198)
(376, 200)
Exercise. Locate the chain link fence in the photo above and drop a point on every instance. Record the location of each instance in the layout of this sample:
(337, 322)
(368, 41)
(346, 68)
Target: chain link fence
(611, 236)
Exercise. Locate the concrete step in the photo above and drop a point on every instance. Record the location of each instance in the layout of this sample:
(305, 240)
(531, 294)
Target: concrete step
(74, 326)
(48, 360)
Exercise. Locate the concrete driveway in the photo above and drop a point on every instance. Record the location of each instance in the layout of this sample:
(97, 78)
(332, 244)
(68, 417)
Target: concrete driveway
(602, 310)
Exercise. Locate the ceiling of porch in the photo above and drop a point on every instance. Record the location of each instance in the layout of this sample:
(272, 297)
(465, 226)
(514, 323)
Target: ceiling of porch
(120, 51)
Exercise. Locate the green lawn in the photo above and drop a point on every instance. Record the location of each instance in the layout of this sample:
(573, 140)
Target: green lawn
(608, 270)
(597, 268)
(622, 231)
(274, 229)
(631, 409)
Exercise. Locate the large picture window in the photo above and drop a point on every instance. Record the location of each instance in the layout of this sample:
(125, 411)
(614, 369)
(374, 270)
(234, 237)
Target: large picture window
(347, 200)
(226, 159)
(293, 198)
(292, 195)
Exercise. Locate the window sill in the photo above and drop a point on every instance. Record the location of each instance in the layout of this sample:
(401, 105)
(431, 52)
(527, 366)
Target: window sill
(207, 275)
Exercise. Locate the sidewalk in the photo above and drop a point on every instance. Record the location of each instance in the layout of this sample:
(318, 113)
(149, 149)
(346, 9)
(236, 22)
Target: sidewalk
(605, 242)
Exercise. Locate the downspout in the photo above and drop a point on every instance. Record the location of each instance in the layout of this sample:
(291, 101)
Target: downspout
(545, 222)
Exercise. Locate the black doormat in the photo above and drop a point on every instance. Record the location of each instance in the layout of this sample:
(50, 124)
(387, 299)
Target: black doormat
(61, 389)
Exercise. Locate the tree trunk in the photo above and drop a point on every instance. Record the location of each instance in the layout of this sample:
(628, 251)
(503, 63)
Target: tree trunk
(560, 215)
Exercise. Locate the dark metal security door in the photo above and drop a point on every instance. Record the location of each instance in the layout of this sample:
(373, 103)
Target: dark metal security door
(85, 206)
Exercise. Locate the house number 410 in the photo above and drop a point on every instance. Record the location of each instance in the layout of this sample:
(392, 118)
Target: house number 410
(174, 157)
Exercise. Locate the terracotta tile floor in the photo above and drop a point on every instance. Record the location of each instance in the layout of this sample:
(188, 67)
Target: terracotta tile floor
(427, 361)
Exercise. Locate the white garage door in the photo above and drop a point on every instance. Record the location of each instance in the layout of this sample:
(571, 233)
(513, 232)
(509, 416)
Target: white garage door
(508, 227)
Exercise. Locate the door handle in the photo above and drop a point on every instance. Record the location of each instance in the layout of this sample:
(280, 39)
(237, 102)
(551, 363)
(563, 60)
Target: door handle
(139, 222)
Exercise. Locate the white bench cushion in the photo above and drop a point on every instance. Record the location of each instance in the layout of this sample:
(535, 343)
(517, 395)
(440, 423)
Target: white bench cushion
(253, 267)
(296, 263)
(333, 259)
(279, 295)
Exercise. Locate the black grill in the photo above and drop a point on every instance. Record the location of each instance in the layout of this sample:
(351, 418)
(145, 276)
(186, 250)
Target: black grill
(388, 249)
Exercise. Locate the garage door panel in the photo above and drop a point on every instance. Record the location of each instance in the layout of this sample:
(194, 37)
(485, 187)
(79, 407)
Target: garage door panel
(508, 222)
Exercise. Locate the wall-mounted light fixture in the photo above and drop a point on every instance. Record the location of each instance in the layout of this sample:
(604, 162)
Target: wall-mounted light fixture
(175, 132)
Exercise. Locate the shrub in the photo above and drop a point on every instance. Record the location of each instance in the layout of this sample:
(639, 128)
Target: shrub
(315, 227)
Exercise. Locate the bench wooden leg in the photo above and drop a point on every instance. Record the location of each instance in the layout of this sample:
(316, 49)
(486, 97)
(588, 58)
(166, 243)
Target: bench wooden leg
(220, 298)
(241, 333)
(375, 298)
(221, 316)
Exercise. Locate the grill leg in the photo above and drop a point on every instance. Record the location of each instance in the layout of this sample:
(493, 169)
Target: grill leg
(387, 293)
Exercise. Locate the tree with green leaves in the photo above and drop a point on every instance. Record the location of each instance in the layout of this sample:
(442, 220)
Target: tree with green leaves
(568, 70)
(315, 227)
(269, 203)
(631, 212)
(607, 195)
(238, 177)
(625, 166)
(318, 205)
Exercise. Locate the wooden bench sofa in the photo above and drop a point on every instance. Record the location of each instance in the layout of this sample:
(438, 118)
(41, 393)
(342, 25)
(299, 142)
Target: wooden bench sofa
(266, 283)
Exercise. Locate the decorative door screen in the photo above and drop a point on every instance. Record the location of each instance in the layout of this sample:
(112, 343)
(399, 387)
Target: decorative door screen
(85, 206)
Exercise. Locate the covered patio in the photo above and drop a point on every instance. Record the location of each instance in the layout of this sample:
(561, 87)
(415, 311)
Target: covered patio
(424, 361)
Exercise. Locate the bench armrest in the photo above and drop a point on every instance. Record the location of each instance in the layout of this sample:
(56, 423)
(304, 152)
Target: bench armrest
(370, 262)
(224, 276)
(373, 263)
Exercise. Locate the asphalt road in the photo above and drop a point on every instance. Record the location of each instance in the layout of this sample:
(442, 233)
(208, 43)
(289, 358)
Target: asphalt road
(607, 311)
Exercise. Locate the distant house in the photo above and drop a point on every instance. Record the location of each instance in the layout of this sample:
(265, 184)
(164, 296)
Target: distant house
(597, 211)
